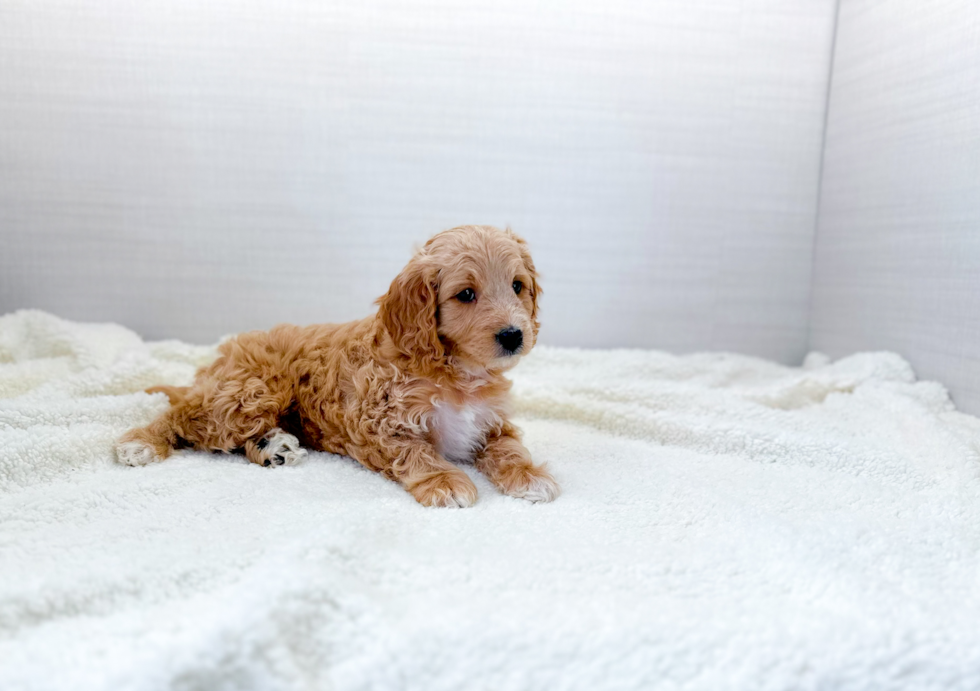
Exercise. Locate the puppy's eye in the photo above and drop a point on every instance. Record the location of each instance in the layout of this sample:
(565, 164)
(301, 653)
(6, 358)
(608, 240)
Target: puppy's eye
(466, 295)
(518, 287)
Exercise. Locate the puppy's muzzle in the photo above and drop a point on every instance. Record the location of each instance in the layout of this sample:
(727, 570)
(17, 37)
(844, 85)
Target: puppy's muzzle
(510, 339)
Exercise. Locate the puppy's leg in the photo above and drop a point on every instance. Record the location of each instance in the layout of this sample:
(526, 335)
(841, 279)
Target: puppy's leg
(152, 443)
(507, 464)
(433, 480)
(275, 447)
(180, 425)
(214, 415)
(419, 468)
(237, 399)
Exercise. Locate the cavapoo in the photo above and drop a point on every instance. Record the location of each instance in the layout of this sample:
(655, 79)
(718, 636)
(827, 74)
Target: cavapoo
(404, 392)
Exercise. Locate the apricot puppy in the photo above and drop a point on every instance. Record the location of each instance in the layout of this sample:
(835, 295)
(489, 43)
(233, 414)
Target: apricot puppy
(404, 392)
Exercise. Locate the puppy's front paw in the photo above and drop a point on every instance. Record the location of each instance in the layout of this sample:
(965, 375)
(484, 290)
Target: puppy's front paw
(276, 448)
(529, 482)
(136, 453)
(448, 489)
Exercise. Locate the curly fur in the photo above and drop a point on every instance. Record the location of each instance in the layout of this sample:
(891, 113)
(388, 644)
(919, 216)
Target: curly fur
(370, 388)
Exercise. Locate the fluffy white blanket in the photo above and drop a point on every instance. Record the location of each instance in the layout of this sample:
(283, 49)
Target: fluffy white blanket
(726, 523)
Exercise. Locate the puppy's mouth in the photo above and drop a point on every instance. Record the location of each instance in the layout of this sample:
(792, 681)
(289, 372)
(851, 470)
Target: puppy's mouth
(505, 361)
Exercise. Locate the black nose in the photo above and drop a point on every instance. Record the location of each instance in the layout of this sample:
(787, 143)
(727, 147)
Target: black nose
(511, 339)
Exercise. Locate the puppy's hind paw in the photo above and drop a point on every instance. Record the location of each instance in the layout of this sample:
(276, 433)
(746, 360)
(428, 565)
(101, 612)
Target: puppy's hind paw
(276, 448)
(136, 453)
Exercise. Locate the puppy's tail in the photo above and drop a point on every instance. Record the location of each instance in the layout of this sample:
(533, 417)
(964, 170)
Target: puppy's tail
(176, 394)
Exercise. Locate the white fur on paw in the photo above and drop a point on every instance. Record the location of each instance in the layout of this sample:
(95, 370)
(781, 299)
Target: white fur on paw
(136, 453)
(538, 489)
(281, 448)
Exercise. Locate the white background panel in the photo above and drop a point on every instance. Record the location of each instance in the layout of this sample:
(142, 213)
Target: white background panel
(197, 168)
(898, 244)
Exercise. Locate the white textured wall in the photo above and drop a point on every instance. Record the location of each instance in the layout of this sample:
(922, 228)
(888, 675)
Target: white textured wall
(194, 168)
(898, 245)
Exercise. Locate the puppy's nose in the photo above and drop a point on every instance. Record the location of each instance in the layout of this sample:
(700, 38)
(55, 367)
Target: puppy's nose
(511, 339)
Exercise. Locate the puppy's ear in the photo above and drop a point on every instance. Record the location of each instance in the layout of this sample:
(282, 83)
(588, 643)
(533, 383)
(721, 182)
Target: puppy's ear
(535, 288)
(409, 311)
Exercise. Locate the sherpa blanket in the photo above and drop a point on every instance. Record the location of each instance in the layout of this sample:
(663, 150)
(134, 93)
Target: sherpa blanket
(726, 523)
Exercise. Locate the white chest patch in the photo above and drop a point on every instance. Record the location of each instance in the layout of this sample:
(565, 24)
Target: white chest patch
(460, 432)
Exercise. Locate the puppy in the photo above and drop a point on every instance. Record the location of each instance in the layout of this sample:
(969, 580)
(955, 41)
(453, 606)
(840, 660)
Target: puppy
(404, 392)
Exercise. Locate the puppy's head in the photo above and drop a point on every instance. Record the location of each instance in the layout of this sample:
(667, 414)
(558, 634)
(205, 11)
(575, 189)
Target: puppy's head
(471, 294)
